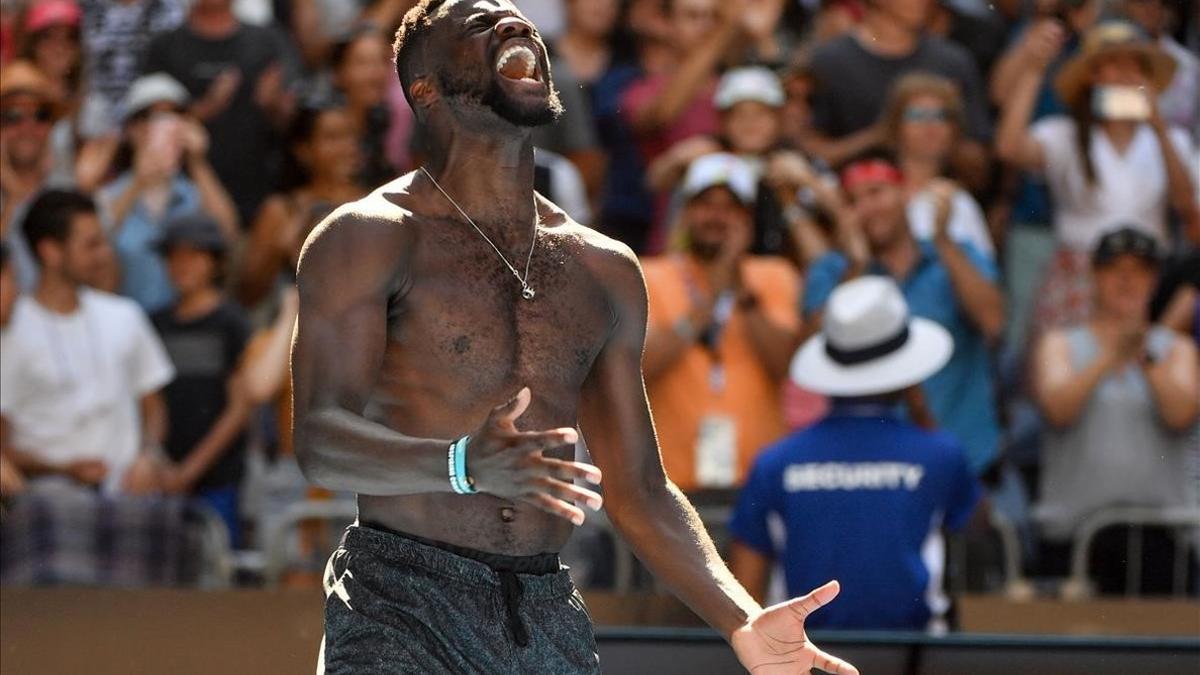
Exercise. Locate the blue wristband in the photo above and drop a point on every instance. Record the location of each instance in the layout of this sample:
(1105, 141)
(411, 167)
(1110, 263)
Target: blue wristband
(460, 481)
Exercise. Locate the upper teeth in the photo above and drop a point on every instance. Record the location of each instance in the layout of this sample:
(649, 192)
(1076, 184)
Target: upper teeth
(520, 51)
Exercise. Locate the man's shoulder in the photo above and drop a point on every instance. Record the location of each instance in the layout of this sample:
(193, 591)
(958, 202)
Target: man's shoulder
(771, 268)
(938, 51)
(608, 258)
(110, 305)
(362, 225)
(831, 52)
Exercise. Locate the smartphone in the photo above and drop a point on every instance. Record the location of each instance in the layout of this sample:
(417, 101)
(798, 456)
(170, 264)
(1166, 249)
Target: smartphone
(164, 139)
(1121, 103)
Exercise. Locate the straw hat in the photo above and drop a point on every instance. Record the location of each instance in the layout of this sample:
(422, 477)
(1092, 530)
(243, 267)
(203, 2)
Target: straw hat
(1111, 37)
(869, 344)
(22, 77)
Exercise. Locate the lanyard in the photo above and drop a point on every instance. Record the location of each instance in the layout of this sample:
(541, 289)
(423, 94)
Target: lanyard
(712, 333)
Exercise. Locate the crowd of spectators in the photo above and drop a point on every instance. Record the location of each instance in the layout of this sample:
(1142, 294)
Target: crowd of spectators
(1025, 172)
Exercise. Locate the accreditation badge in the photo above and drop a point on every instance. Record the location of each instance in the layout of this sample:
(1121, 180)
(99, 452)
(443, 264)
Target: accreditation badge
(716, 451)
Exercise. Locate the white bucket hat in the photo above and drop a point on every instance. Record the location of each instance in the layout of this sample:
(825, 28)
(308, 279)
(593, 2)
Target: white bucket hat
(150, 89)
(869, 344)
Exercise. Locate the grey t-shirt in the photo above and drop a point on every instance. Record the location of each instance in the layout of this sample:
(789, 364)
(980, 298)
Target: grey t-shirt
(1118, 452)
(852, 83)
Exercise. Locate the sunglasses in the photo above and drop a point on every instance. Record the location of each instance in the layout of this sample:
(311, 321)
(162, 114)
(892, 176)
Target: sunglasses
(916, 114)
(15, 116)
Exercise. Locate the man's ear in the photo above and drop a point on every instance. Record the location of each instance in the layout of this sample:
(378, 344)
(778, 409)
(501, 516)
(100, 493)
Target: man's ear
(50, 253)
(423, 93)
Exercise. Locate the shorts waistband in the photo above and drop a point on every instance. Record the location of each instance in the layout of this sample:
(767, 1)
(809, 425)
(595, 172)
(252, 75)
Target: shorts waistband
(542, 575)
(541, 563)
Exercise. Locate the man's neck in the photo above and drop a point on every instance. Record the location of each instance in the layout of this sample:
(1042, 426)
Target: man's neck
(918, 171)
(900, 257)
(197, 303)
(489, 176)
(330, 188)
(56, 293)
(214, 24)
(879, 33)
(28, 175)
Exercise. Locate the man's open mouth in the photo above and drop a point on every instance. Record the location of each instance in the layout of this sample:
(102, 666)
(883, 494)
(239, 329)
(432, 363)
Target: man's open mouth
(518, 62)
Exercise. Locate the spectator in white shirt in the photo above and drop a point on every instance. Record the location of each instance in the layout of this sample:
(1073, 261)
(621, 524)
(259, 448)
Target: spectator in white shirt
(82, 370)
(922, 122)
(1113, 160)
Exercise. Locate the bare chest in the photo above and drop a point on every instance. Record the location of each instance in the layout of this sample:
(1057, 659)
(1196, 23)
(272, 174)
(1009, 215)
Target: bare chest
(462, 317)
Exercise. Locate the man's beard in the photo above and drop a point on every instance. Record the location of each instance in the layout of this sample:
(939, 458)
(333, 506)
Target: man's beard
(705, 251)
(464, 90)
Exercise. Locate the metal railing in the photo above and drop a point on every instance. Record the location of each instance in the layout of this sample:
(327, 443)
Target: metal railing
(278, 553)
(1079, 586)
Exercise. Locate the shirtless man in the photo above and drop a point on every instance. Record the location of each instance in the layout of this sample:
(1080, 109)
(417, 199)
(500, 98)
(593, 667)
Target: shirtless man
(418, 315)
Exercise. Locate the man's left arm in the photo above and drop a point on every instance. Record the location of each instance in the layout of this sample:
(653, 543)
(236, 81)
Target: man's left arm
(976, 292)
(654, 516)
(771, 323)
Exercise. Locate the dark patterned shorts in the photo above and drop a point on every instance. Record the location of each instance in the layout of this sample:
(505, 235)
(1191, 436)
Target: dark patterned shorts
(396, 603)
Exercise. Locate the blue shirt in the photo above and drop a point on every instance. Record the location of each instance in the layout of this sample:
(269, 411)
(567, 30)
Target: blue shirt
(960, 395)
(857, 497)
(143, 272)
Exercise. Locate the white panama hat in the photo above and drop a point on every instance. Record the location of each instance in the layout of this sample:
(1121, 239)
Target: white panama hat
(869, 344)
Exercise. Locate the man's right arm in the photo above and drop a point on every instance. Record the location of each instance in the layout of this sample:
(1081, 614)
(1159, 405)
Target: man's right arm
(348, 269)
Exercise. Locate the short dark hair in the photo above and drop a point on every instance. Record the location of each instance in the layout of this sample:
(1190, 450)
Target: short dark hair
(50, 217)
(410, 41)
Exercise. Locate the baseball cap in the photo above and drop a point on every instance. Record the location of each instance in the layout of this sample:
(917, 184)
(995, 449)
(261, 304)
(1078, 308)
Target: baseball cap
(49, 13)
(195, 229)
(720, 169)
(1125, 241)
(752, 83)
(150, 89)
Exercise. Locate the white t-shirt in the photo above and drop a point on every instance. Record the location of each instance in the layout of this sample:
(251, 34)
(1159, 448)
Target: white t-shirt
(70, 384)
(1130, 189)
(967, 223)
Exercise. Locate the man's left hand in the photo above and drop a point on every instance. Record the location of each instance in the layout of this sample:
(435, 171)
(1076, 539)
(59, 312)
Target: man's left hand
(175, 480)
(775, 641)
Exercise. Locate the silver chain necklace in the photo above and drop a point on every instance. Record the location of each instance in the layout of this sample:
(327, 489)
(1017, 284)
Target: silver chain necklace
(527, 291)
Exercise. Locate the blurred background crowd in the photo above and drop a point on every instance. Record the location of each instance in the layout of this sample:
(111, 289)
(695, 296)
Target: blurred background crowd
(1024, 170)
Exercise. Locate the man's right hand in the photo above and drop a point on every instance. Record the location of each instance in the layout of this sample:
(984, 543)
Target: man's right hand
(1044, 42)
(509, 463)
(87, 471)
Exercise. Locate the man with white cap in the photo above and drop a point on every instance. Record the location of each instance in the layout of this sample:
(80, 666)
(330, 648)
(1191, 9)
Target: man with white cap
(862, 494)
(722, 327)
(749, 101)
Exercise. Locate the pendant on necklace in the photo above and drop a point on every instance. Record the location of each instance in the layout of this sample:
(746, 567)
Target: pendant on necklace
(527, 293)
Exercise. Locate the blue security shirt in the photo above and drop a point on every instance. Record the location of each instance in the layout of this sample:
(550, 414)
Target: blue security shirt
(855, 498)
(960, 395)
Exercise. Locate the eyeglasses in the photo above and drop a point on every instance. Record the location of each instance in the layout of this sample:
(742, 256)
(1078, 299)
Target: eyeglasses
(916, 114)
(15, 116)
